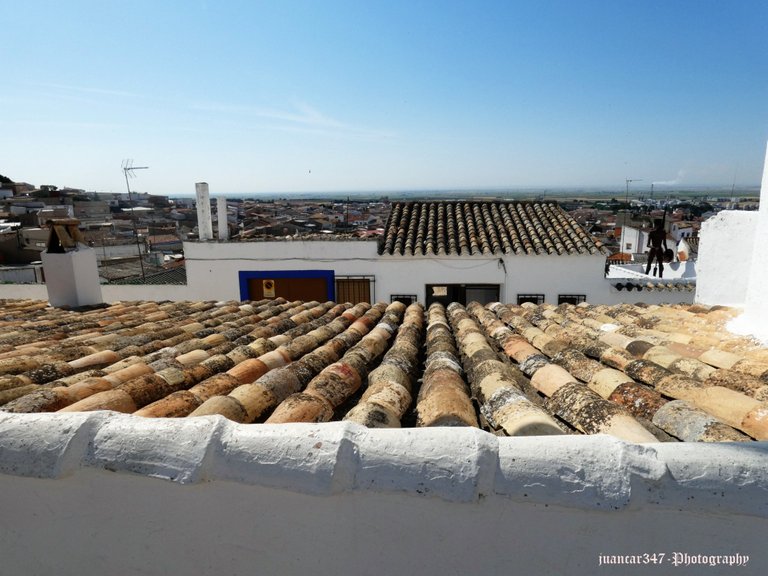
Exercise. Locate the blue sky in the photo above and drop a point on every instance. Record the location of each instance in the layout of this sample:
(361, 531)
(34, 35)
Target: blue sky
(331, 95)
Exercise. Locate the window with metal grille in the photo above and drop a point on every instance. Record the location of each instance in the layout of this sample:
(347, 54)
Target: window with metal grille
(535, 298)
(404, 298)
(571, 298)
(354, 289)
(461, 293)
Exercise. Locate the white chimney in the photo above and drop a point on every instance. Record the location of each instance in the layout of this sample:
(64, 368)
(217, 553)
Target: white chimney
(221, 212)
(204, 221)
(70, 268)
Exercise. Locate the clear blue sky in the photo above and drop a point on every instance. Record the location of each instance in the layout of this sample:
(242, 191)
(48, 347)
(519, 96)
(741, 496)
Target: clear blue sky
(362, 95)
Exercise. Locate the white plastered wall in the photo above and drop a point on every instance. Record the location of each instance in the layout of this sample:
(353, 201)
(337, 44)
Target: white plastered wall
(213, 267)
(23, 291)
(151, 292)
(725, 258)
(102, 493)
(20, 274)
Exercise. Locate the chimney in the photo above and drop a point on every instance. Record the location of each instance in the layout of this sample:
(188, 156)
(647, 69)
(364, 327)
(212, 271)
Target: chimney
(204, 221)
(221, 212)
(70, 267)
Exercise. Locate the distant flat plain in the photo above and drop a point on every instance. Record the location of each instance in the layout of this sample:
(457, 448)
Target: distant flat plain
(560, 194)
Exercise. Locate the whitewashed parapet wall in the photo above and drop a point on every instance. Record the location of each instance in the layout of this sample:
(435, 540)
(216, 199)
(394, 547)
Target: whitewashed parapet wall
(110, 292)
(733, 262)
(213, 267)
(109, 493)
(725, 258)
(23, 291)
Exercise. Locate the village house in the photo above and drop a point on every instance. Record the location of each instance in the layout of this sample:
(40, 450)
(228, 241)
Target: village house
(429, 251)
(162, 426)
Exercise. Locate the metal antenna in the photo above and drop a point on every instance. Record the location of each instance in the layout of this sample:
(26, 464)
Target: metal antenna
(128, 169)
(628, 180)
(626, 201)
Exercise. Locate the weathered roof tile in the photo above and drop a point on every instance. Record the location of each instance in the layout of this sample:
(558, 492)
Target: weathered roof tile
(473, 227)
(643, 373)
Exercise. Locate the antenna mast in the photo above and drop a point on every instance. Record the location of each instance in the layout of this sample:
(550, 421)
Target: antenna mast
(128, 169)
(627, 213)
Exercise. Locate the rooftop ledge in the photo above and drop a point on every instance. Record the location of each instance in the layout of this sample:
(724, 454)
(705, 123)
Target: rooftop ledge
(454, 464)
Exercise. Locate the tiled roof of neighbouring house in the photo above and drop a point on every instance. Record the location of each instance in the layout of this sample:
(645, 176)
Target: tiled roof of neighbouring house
(641, 373)
(467, 228)
(130, 271)
(172, 276)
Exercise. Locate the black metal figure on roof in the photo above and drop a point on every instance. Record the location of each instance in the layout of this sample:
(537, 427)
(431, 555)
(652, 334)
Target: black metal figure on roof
(656, 239)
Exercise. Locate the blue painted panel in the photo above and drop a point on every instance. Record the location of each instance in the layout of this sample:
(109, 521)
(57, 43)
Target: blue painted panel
(245, 275)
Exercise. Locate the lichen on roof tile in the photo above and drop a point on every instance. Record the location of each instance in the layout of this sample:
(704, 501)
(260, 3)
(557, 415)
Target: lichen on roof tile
(644, 373)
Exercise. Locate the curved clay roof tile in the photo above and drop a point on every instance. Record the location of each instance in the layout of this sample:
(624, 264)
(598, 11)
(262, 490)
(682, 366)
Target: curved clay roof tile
(509, 226)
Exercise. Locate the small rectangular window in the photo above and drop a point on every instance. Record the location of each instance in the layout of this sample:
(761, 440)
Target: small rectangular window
(571, 298)
(404, 298)
(354, 289)
(461, 293)
(534, 298)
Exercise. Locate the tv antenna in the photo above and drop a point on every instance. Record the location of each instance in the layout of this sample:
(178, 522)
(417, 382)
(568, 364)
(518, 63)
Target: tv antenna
(627, 213)
(629, 181)
(128, 169)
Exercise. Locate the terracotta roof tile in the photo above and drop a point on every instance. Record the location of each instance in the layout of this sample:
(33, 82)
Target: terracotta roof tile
(642, 373)
(467, 228)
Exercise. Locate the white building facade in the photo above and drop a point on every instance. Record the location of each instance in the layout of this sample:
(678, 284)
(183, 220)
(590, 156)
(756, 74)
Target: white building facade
(222, 271)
